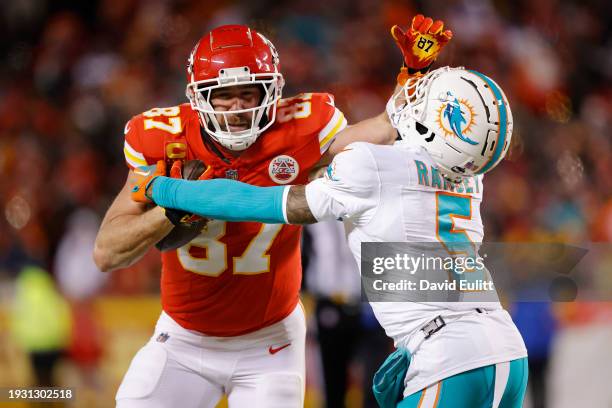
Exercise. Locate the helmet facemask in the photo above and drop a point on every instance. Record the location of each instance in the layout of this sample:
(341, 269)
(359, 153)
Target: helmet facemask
(407, 110)
(262, 116)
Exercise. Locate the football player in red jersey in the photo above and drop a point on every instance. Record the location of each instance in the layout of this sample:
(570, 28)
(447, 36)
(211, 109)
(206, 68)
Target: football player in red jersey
(231, 320)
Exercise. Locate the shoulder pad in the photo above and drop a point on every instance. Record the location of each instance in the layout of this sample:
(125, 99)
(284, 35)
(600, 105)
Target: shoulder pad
(146, 134)
(316, 114)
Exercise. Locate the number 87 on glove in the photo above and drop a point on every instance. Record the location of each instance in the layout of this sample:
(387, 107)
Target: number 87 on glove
(422, 42)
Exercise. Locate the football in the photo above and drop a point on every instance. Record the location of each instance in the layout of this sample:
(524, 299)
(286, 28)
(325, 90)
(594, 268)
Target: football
(182, 234)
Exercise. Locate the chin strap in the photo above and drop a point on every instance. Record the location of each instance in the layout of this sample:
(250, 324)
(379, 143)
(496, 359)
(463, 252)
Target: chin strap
(454, 179)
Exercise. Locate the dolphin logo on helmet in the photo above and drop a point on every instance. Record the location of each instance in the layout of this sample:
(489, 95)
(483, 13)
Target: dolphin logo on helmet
(455, 118)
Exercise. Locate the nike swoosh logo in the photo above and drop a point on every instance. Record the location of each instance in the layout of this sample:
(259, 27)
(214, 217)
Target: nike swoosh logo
(331, 101)
(276, 350)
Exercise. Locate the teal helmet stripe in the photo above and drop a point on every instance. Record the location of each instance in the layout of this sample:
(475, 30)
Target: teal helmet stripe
(503, 123)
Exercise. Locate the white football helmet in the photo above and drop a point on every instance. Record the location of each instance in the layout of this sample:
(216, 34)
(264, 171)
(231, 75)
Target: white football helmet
(461, 117)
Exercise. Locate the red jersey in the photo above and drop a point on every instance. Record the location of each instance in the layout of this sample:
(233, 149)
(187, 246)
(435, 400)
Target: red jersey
(237, 277)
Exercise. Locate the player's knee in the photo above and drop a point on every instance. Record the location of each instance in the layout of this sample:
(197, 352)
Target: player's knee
(144, 374)
(281, 390)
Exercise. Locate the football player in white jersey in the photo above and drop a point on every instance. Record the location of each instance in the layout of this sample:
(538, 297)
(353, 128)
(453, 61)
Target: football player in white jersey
(455, 125)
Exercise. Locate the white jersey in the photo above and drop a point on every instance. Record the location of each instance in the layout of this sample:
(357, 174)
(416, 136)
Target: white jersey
(395, 194)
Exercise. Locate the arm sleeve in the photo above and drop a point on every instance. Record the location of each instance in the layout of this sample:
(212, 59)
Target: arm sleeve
(222, 199)
(350, 188)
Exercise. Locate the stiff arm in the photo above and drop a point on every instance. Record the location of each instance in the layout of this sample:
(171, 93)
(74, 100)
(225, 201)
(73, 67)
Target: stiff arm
(349, 190)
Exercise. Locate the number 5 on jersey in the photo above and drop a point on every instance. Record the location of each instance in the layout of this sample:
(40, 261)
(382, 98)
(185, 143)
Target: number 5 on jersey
(456, 240)
(253, 260)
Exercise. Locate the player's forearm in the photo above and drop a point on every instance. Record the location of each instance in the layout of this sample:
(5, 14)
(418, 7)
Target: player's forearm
(124, 239)
(376, 130)
(231, 200)
(297, 209)
(234, 201)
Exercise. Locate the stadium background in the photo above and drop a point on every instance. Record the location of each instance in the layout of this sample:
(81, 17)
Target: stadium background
(72, 73)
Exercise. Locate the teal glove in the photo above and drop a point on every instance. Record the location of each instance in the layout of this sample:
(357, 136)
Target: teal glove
(388, 383)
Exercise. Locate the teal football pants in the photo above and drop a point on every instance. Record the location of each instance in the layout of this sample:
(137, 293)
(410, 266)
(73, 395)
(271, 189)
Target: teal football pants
(500, 385)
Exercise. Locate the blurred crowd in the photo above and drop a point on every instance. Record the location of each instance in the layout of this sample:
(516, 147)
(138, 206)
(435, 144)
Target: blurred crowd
(73, 73)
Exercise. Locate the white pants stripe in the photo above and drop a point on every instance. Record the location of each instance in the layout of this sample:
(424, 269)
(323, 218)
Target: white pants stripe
(502, 372)
(430, 396)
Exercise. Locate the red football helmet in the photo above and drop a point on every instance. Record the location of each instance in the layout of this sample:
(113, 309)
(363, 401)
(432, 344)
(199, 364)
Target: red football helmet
(233, 55)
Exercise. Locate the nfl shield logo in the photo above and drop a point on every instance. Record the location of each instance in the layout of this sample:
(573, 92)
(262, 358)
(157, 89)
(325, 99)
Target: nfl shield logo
(231, 174)
(283, 169)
